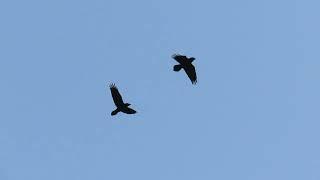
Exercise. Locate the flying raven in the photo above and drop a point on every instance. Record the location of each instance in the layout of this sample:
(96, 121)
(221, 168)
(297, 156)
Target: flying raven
(186, 64)
(117, 99)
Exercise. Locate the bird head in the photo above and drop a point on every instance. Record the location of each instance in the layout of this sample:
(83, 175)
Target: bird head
(192, 59)
(127, 104)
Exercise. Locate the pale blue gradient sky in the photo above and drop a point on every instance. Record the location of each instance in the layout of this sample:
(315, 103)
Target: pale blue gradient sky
(254, 114)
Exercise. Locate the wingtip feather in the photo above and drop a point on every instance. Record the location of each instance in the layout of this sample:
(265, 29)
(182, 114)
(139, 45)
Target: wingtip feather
(112, 85)
(175, 55)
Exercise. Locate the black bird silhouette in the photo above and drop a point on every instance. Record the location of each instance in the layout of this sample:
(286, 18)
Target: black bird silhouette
(186, 64)
(117, 99)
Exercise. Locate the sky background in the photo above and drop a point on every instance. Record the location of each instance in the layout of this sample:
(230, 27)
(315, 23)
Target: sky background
(254, 114)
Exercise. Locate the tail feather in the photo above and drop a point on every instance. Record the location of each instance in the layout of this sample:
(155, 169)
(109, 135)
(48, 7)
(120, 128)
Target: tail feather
(177, 67)
(114, 112)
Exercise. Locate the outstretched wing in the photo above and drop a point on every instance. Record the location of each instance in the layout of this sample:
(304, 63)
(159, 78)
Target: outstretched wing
(180, 58)
(117, 99)
(129, 111)
(191, 72)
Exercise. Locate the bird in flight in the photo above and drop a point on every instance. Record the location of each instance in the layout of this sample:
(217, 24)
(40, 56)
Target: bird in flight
(117, 99)
(185, 64)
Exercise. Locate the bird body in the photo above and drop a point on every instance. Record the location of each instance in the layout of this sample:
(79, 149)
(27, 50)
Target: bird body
(121, 106)
(185, 64)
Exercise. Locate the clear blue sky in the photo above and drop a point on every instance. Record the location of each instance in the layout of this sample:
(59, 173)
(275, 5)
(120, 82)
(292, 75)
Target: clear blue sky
(254, 114)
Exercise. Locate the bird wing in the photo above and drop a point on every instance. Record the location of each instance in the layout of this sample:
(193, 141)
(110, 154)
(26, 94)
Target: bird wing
(180, 58)
(129, 111)
(191, 72)
(117, 99)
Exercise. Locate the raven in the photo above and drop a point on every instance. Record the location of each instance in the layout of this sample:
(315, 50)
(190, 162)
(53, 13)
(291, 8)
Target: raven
(117, 99)
(186, 64)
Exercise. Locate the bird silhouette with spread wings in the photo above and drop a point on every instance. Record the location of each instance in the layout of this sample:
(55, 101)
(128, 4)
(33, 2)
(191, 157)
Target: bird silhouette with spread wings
(117, 99)
(185, 64)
